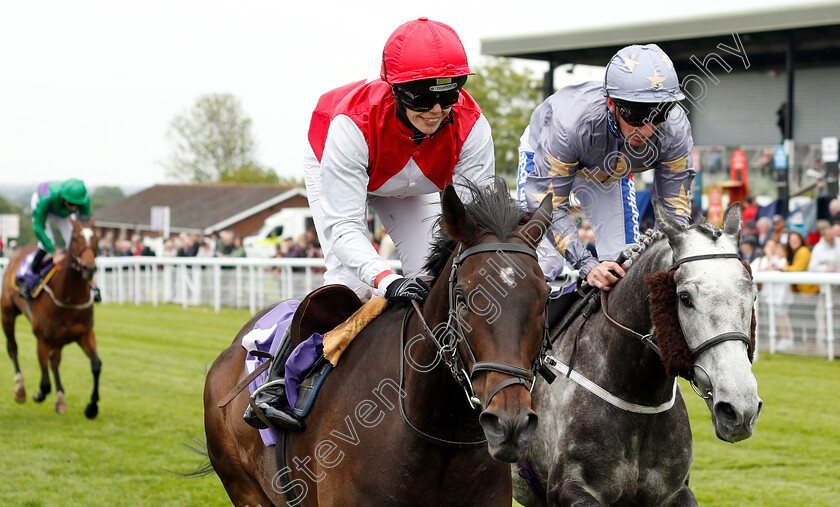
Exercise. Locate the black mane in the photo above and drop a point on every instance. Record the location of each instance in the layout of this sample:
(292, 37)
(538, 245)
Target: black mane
(493, 210)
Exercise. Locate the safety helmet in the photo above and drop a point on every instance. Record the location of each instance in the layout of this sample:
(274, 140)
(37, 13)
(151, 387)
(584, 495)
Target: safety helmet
(74, 192)
(642, 74)
(423, 49)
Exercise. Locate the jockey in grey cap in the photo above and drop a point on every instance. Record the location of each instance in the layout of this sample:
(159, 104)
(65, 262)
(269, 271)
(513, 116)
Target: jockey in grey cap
(588, 140)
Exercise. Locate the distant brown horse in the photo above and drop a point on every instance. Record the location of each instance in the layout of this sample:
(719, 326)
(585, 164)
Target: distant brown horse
(61, 314)
(392, 424)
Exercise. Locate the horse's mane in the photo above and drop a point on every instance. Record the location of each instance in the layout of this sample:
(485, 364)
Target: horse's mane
(494, 212)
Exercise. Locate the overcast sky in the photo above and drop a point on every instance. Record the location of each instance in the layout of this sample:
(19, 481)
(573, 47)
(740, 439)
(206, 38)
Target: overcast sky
(87, 89)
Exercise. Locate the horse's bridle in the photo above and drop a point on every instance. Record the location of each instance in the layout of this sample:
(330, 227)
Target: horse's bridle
(448, 347)
(77, 258)
(454, 332)
(647, 339)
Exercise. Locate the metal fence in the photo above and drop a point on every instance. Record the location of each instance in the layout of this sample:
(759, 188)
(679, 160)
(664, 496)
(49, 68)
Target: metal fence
(807, 324)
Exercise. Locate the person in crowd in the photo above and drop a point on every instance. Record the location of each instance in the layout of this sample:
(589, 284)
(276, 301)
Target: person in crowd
(589, 138)
(764, 226)
(170, 248)
(776, 295)
(749, 249)
(825, 256)
(53, 204)
(798, 257)
(780, 230)
(750, 211)
(392, 145)
(238, 249)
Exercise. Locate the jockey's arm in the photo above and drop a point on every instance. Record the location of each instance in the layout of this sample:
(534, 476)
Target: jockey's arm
(39, 222)
(344, 200)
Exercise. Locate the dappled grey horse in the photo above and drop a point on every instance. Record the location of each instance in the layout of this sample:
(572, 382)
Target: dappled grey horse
(616, 431)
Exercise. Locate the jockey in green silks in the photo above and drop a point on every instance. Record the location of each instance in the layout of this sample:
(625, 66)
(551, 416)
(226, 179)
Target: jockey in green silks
(52, 204)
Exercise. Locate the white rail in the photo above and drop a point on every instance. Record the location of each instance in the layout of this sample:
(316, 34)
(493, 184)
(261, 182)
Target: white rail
(805, 324)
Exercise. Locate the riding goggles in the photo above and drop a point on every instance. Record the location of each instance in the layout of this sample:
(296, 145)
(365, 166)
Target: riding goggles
(422, 102)
(638, 115)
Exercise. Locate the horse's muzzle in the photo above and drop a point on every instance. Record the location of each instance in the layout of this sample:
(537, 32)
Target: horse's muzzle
(732, 425)
(509, 436)
(88, 272)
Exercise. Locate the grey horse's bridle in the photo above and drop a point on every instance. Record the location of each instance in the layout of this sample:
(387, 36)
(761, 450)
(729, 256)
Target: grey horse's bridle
(706, 390)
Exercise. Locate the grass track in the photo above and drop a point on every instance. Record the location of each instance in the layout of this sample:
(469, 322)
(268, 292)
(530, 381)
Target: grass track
(154, 360)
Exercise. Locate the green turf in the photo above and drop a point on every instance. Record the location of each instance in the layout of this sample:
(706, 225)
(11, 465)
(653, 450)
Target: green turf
(153, 375)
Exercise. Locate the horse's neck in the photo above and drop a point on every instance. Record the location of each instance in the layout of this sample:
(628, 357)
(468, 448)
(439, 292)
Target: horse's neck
(634, 371)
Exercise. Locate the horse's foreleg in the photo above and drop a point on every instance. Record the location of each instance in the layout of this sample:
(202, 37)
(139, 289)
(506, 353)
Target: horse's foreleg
(683, 497)
(43, 357)
(571, 493)
(88, 344)
(11, 347)
(60, 403)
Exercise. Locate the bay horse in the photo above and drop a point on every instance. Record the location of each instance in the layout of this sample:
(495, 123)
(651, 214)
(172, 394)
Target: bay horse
(383, 433)
(62, 314)
(627, 441)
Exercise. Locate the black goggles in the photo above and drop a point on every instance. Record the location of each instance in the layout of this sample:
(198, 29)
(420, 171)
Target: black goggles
(422, 102)
(639, 115)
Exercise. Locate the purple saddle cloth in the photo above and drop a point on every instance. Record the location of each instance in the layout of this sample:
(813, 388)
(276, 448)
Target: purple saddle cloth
(24, 271)
(266, 336)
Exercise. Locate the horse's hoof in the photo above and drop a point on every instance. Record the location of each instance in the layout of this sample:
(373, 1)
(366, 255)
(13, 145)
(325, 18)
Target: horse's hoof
(60, 404)
(39, 397)
(20, 391)
(91, 411)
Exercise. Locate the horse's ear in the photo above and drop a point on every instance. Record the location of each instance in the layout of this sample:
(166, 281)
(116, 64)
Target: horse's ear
(536, 228)
(732, 220)
(457, 223)
(664, 221)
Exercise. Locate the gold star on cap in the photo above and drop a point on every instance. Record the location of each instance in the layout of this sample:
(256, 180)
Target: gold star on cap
(631, 63)
(558, 167)
(677, 166)
(656, 80)
(680, 202)
(562, 242)
(667, 61)
(555, 201)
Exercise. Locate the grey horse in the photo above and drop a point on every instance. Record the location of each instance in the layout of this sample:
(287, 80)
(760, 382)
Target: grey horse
(616, 431)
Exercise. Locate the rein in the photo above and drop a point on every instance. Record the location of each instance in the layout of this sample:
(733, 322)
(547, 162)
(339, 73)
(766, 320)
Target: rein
(448, 347)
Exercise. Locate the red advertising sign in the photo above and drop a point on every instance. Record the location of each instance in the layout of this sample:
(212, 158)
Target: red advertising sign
(738, 167)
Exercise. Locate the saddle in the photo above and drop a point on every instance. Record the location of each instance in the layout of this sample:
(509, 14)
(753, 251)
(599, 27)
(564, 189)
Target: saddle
(35, 281)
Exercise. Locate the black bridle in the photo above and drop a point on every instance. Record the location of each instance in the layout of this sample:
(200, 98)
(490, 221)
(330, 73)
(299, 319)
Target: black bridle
(453, 333)
(77, 257)
(648, 339)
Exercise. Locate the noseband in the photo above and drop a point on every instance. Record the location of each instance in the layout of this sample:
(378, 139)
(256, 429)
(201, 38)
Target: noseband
(703, 347)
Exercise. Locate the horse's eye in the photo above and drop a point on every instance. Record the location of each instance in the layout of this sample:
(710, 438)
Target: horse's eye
(460, 297)
(685, 299)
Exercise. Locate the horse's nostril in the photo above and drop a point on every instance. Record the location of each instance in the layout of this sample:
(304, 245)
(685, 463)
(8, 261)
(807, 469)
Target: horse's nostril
(726, 413)
(491, 424)
(525, 427)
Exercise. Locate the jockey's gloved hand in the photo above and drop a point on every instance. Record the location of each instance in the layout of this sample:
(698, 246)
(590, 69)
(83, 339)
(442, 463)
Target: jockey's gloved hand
(406, 289)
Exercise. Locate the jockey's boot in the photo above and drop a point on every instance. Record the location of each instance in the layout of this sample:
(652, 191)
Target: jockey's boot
(25, 291)
(28, 286)
(97, 295)
(37, 260)
(270, 400)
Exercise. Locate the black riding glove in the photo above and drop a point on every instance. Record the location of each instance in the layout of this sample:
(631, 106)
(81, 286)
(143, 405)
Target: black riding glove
(406, 289)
